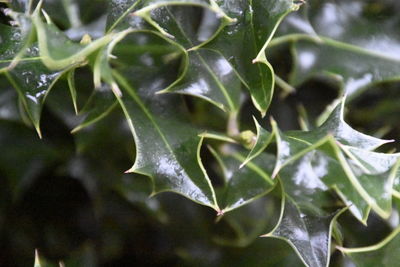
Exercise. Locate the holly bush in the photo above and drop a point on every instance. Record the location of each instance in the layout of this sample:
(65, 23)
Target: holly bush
(199, 132)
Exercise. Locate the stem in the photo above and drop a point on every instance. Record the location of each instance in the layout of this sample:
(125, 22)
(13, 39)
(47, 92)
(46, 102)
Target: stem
(233, 127)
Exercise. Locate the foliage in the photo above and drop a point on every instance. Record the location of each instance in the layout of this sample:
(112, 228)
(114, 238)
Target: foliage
(184, 92)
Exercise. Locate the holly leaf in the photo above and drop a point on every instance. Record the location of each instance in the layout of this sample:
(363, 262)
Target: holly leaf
(118, 11)
(45, 63)
(362, 178)
(334, 126)
(178, 23)
(211, 77)
(170, 157)
(255, 24)
(14, 41)
(307, 233)
(329, 37)
(304, 221)
(385, 253)
(167, 146)
(56, 50)
(33, 82)
(98, 106)
(243, 185)
(216, 74)
(207, 73)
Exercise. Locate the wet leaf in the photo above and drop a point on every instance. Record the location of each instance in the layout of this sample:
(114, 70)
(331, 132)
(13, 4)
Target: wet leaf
(177, 19)
(99, 105)
(243, 43)
(307, 233)
(385, 253)
(207, 74)
(308, 211)
(56, 50)
(33, 82)
(244, 185)
(118, 10)
(330, 37)
(250, 221)
(305, 222)
(334, 125)
(170, 157)
(362, 178)
(167, 146)
(14, 41)
(237, 63)
(211, 77)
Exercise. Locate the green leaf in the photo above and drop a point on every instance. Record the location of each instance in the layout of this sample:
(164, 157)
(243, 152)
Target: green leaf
(307, 214)
(211, 77)
(255, 24)
(167, 149)
(303, 222)
(309, 235)
(167, 146)
(247, 64)
(177, 19)
(246, 184)
(14, 41)
(33, 82)
(249, 222)
(330, 37)
(364, 179)
(117, 13)
(334, 125)
(56, 50)
(385, 253)
(99, 105)
(207, 74)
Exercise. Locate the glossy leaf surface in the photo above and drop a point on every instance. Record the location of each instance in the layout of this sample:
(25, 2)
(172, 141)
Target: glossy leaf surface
(33, 81)
(132, 67)
(307, 233)
(243, 43)
(244, 185)
(57, 50)
(347, 176)
(329, 37)
(167, 146)
(15, 39)
(385, 253)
